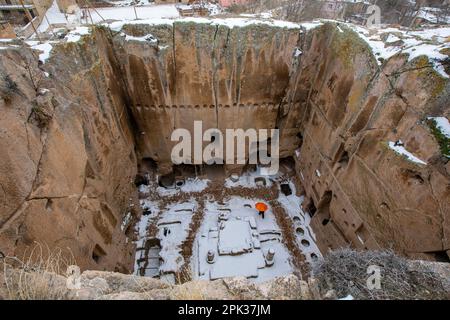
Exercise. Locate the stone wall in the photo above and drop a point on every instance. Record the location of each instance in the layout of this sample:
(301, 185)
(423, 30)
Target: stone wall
(67, 163)
(69, 153)
(364, 193)
(226, 77)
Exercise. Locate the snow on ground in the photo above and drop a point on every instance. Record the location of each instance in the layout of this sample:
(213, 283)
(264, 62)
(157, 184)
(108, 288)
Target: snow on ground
(249, 179)
(125, 221)
(400, 149)
(433, 15)
(194, 185)
(172, 222)
(228, 22)
(54, 16)
(442, 124)
(311, 25)
(392, 38)
(213, 9)
(173, 226)
(45, 49)
(9, 47)
(440, 34)
(118, 25)
(306, 238)
(431, 51)
(151, 210)
(240, 240)
(147, 38)
(127, 13)
(233, 230)
(75, 35)
(153, 11)
(427, 42)
(148, 14)
(263, 15)
(190, 185)
(121, 3)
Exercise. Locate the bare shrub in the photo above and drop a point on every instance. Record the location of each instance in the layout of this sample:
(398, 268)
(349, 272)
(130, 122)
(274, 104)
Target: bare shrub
(345, 271)
(187, 290)
(40, 275)
(41, 114)
(8, 88)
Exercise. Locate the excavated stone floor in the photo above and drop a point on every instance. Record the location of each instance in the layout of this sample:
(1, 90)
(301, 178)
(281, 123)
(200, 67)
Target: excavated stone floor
(365, 119)
(209, 215)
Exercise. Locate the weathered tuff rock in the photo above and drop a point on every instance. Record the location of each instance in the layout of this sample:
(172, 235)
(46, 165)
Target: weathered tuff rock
(348, 108)
(69, 155)
(94, 285)
(67, 163)
(116, 286)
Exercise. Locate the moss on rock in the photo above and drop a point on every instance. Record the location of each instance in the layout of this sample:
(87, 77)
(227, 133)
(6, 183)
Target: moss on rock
(442, 140)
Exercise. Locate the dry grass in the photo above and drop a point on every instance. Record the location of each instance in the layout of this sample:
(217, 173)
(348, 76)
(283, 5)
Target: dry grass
(189, 291)
(39, 275)
(345, 271)
(8, 88)
(186, 290)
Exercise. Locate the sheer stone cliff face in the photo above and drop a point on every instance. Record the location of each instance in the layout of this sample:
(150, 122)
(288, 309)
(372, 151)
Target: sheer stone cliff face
(350, 108)
(69, 155)
(67, 159)
(228, 78)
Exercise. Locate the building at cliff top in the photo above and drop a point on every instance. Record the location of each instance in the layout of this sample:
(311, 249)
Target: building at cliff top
(22, 18)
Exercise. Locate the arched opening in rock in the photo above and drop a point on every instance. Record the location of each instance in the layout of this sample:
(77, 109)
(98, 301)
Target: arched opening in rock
(167, 180)
(98, 254)
(323, 211)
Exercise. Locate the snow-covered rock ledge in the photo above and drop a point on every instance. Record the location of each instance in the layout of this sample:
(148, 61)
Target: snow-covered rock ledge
(227, 22)
(384, 42)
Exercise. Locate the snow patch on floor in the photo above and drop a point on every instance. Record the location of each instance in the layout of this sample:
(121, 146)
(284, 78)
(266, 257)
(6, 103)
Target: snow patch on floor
(427, 42)
(147, 12)
(148, 38)
(301, 220)
(173, 226)
(311, 25)
(249, 179)
(228, 22)
(190, 185)
(240, 240)
(52, 16)
(142, 226)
